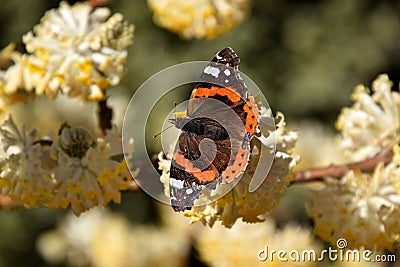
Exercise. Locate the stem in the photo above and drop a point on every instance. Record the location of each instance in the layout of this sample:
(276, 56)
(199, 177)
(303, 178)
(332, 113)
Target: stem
(133, 186)
(337, 171)
(43, 142)
(7, 203)
(98, 3)
(105, 116)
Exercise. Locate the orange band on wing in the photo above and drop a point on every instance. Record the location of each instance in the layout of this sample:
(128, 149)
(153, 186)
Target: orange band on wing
(202, 176)
(214, 90)
(228, 92)
(237, 167)
(252, 115)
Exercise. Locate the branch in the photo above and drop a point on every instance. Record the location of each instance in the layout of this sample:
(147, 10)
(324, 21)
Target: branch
(105, 116)
(133, 186)
(98, 3)
(7, 203)
(337, 171)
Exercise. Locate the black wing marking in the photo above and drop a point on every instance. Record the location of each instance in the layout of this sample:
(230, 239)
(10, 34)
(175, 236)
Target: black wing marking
(223, 71)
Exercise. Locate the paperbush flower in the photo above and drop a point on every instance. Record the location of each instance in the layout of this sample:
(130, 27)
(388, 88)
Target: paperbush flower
(74, 50)
(76, 169)
(239, 246)
(199, 18)
(239, 202)
(86, 175)
(17, 81)
(363, 208)
(372, 123)
(22, 175)
(101, 238)
(71, 242)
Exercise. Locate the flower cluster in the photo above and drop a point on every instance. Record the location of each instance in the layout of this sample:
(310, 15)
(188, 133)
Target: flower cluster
(373, 122)
(199, 19)
(239, 246)
(101, 238)
(240, 202)
(23, 175)
(71, 169)
(75, 50)
(364, 207)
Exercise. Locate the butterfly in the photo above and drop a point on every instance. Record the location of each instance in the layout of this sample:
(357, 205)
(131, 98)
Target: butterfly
(214, 144)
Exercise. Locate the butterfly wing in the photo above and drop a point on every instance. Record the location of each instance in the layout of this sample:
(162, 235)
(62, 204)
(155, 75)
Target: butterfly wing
(223, 71)
(191, 170)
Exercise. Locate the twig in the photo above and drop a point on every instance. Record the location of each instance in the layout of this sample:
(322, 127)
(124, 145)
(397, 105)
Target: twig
(7, 203)
(98, 3)
(43, 142)
(133, 186)
(105, 116)
(337, 171)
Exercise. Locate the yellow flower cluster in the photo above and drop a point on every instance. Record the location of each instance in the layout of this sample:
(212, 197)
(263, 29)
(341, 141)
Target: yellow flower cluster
(364, 207)
(23, 176)
(199, 18)
(240, 245)
(100, 238)
(372, 123)
(74, 170)
(74, 50)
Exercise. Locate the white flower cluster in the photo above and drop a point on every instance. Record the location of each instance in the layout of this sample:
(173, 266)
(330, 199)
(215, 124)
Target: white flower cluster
(373, 122)
(100, 238)
(23, 176)
(73, 169)
(364, 207)
(199, 18)
(238, 246)
(74, 50)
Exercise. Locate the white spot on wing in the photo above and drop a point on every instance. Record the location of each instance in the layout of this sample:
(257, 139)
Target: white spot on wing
(227, 72)
(212, 71)
(189, 191)
(226, 81)
(176, 183)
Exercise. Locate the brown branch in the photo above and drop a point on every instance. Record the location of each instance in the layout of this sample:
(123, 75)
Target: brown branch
(7, 203)
(319, 173)
(337, 171)
(43, 142)
(105, 116)
(98, 3)
(133, 186)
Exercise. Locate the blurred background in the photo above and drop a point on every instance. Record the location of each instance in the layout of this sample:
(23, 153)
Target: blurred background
(306, 56)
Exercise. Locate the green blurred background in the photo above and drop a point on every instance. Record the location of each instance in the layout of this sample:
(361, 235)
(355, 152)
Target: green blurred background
(306, 56)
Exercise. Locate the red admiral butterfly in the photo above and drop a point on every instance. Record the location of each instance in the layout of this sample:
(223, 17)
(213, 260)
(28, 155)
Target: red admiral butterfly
(197, 163)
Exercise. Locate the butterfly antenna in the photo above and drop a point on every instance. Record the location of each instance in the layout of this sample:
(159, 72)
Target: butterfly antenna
(175, 110)
(156, 135)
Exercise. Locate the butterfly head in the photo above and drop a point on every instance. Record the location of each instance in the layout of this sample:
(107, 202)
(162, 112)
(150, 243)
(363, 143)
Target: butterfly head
(179, 122)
